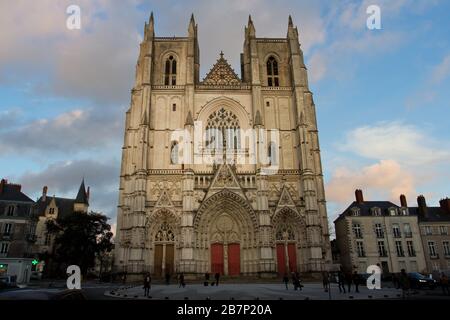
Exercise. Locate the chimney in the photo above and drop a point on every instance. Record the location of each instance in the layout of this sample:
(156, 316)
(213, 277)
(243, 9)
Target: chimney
(88, 192)
(3, 183)
(445, 204)
(422, 205)
(44, 193)
(359, 196)
(403, 202)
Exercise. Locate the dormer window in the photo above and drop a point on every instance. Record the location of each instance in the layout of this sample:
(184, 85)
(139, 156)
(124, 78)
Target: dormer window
(51, 211)
(170, 73)
(355, 212)
(376, 211)
(272, 72)
(392, 211)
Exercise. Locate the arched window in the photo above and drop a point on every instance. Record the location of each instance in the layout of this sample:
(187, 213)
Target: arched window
(272, 153)
(223, 130)
(174, 153)
(272, 72)
(170, 73)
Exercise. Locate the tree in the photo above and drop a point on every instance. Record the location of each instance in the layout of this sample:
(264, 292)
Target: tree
(81, 239)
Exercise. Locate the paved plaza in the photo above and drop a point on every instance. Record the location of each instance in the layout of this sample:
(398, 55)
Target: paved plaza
(240, 291)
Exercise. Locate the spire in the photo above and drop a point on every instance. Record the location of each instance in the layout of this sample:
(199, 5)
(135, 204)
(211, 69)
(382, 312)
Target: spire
(82, 195)
(251, 27)
(150, 27)
(192, 26)
(292, 32)
(189, 121)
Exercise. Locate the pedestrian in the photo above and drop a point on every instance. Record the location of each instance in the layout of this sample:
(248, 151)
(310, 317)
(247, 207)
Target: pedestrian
(217, 277)
(356, 280)
(147, 285)
(325, 280)
(294, 281)
(404, 283)
(348, 279)
(182, 283)
(299, 282)
(286, 280)
(167, 278)
(341, 282)
(206, 279)
(444, 284)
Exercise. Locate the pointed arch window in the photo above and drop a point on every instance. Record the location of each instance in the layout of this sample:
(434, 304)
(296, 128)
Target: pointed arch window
(174, 153)
(272, 72)
(272, 153)
(170, 72)
(223, 130)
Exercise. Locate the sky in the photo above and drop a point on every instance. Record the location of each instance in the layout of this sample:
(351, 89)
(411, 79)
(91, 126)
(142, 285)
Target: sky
(382, 96)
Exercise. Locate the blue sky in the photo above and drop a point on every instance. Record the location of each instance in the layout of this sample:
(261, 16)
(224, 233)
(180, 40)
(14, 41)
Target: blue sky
(382, 96)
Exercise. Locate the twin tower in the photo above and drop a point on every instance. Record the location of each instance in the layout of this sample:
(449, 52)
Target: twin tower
(186, 205)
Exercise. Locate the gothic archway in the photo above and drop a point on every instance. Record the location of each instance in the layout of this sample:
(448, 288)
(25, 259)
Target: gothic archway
(162, 238)
(290, 235)
(226, 235)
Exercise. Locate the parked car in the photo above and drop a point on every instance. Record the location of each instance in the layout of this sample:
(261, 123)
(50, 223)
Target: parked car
(419, 281)
(42, 294)
(8, 282)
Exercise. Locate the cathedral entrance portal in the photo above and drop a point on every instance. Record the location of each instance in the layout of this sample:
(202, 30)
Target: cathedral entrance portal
(164, 261)
(225, 235)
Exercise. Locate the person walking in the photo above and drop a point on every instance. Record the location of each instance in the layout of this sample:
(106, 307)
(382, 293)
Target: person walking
(147, 285)
(341, 282)
(325, 280)
(348, 279)
(217, 277)
(286, 280)
(356, 281)
(299, 281)
(182, 283)
(404, 283)
(206, 283)
(444, 284)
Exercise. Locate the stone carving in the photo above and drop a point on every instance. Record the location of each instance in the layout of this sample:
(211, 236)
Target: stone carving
(221, 74)
(165, 233)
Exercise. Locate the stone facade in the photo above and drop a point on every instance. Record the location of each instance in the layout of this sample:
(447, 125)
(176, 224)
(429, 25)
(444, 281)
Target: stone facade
(434, 223)
(227, 216)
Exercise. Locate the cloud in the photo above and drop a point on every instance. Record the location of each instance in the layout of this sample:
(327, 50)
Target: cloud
(385, 180)
(441, 71)
(63, 179)
(406, 144)
(9, 118)
(75, 131)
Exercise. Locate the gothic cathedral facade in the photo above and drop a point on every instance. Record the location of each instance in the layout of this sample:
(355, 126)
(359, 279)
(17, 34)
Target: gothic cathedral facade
(238, 218)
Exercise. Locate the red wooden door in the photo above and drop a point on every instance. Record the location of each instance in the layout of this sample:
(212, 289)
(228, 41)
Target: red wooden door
(280, 259)
(234, 259)
(292, 253)
(217, 258)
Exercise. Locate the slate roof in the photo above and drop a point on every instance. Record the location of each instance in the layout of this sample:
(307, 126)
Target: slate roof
(82, 195)
(12, 193)
(434, 214)
(65, 206)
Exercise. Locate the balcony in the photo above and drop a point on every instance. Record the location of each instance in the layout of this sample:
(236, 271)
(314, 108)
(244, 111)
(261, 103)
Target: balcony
(397, 235)
(408, 234)
(434, 256)
(383, 254)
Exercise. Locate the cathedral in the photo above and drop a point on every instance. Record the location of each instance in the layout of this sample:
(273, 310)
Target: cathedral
(221, 174)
